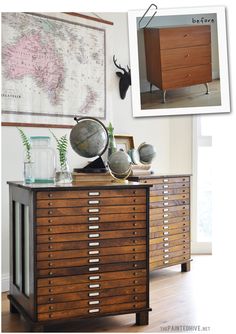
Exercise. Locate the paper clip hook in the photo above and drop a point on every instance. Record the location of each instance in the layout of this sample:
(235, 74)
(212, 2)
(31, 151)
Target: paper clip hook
(152, 5)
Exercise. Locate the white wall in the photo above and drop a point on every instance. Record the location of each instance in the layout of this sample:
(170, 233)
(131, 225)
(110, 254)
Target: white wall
(171, 136)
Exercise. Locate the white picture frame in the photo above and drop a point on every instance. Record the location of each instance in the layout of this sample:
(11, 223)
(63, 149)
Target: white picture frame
(133, 20)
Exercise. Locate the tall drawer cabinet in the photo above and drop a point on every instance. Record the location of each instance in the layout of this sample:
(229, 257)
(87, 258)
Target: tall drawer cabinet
(178, 56)
(169, 220)
(79, 251)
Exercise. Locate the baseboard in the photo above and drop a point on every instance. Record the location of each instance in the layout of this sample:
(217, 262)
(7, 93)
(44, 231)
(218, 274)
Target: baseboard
(5, 282)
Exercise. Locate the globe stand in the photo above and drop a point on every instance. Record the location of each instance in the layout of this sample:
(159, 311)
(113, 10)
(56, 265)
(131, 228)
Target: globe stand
(96, 166)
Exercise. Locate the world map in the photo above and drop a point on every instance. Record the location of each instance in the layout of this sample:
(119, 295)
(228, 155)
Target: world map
(51, 67)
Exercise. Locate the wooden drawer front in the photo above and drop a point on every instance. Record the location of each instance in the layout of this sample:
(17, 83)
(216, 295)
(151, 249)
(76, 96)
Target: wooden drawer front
(63, 293)
(184, 57)
(88, 279)
(166, 221)
(167, 186)
(68, 220)
(167, 203)
(169, 227)
(168, 262)
(70, 254)
(156, 256)
(169, 191)
(92, 311)
(166, 180)
(90, 194)
(63, 203)
(90, 227)
(185, 36)
(161, 198)
(182, 77)
(168, 238)
(87, 210)
(92, 260)
(169, 232)
(167, 215)
(93, 235)
(181, 242)
(92, 269)
(90, 245)
(170, 209)
(92, 302)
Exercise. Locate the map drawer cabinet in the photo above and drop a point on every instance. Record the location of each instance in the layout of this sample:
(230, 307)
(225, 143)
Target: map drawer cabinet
(178, 56)
(79, 251)
(169, 220)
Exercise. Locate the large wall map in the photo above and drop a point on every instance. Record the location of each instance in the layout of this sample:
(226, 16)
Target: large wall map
(51, 68)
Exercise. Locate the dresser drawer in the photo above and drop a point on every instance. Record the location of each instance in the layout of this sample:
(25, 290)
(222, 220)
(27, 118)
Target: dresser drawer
(54, 212)
(168, 197)
(167, 238)
(67, 220)
(169, 214)
(63, 237)
(63, 203)
(70, 254)
(166, 180)
(170, 191)
(92, 311)
(169, 227)
(168, 246)
(111, 226)
(182, 77)
(167, 262)
(169, 255)
(92, 269)
(168, 203)
(90, 194)
(90, 260)
(176, 37)
(169, 232)
(168, 186)
(185, 57)
(81, 291)
(170, 221)
(91, 244)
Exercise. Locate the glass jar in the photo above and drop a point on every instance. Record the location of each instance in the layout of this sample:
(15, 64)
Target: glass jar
(44, 159)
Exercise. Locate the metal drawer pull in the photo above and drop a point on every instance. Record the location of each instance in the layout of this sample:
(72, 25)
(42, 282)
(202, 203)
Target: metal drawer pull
(166, 261)
(93, 218)
(165, 227)
(166, 180)
(166, 250)
(166, 186)
(166, 233)
(167, 244)
(166, 221)
(92, 244)
(166, 256)
(165, 198)
(94, 269)
(94, 260)
(93, 227)
(93, 252)
(166, 203)
(94, 277)
(94, 310)
(94, 193)
(94, 302)
(93, 294)
(94, 286)
(165, 210)
(165, 215)
(93, 210)
(165, 239)
(94, 235)
(93, 202)
(165, 192)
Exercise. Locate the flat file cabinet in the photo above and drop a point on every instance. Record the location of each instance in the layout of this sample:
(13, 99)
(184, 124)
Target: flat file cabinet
(178, 56)
(169, 220)
(79, 251)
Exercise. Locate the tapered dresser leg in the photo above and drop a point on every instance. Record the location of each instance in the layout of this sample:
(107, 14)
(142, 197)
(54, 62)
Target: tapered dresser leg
(164, 96)
(207, 88)
(185, 266)
(142, 318)
(150, 87)
(13, 309)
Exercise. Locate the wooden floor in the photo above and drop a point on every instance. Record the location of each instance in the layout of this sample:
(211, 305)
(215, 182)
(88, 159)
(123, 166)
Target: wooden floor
(177, 299)
(193, 96)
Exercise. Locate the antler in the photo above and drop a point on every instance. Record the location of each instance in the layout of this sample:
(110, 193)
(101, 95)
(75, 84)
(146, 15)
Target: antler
(118, 66)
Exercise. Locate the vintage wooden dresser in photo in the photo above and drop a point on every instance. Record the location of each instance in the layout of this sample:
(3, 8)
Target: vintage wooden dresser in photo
(79, 251)
(169, 220)
(178, 56)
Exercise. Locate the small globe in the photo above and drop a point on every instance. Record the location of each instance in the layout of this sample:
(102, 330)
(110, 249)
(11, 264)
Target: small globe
(120, 164)
(147, 153)
(89, 137)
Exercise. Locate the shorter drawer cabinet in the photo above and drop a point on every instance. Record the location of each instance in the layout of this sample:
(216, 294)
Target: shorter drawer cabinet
(79, 252)
(169, 220)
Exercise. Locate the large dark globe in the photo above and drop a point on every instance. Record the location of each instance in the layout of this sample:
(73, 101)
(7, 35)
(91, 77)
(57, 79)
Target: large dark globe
(147, 153)
(119, 164)
(89, 137)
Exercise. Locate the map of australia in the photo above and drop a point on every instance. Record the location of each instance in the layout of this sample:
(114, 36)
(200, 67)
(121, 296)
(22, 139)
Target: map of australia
(51, 67)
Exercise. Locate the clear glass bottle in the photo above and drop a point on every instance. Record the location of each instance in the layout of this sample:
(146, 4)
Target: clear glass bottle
(44, 159)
